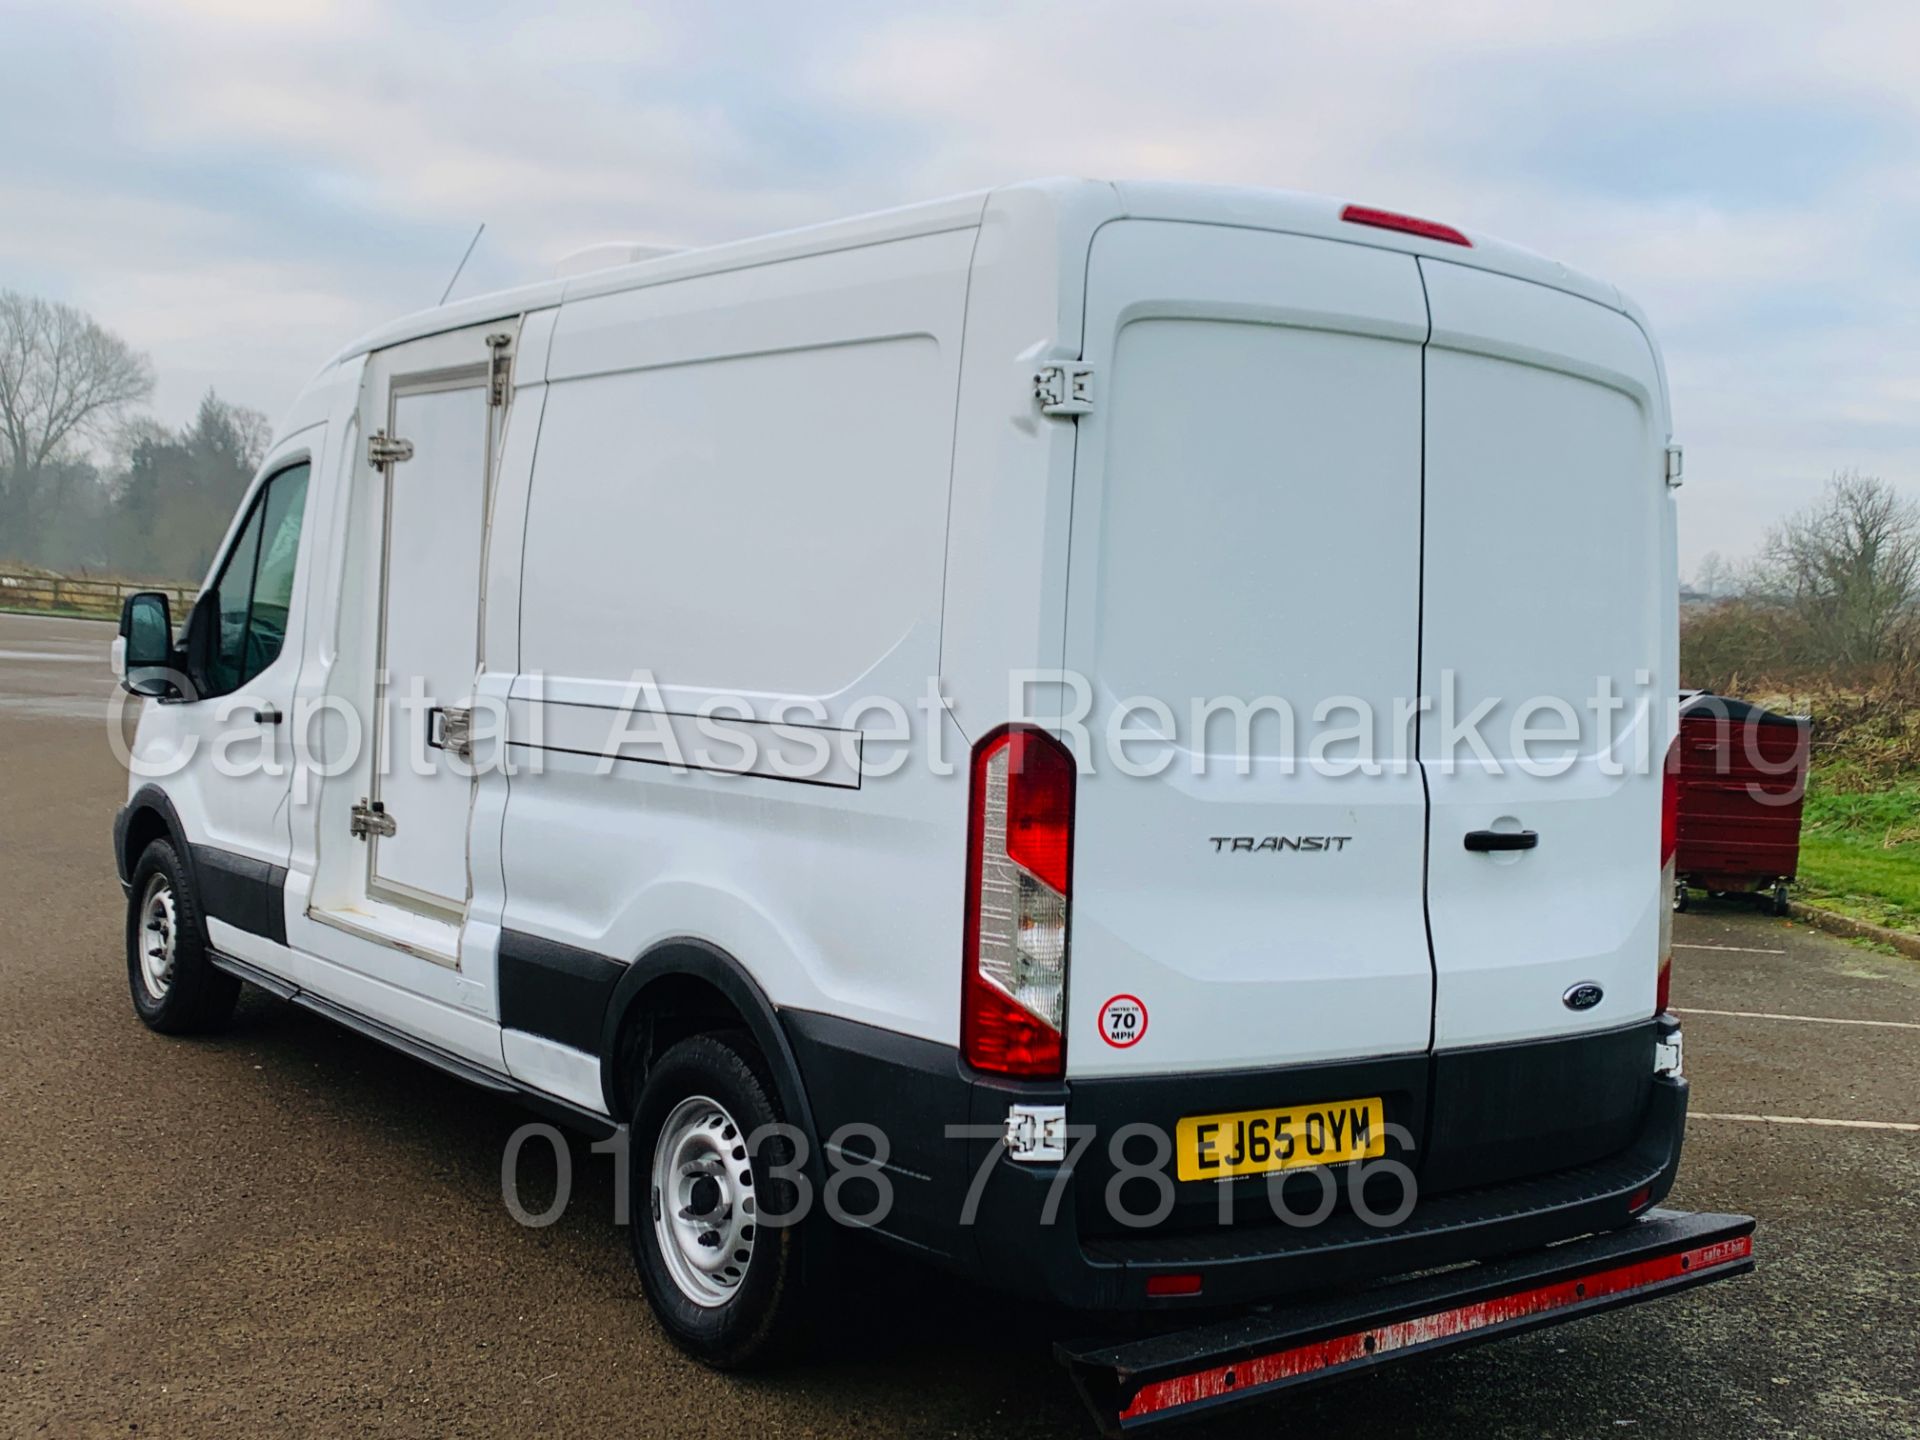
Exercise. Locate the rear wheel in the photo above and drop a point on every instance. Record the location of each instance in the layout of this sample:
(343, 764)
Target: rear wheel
(1782, 905)
(176, 988)
(722, 1281)
(1679, 895)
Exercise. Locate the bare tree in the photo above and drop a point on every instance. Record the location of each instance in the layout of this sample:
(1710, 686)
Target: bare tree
(1716, 578)
(255, 433)
(63, 379)
(1849, 567)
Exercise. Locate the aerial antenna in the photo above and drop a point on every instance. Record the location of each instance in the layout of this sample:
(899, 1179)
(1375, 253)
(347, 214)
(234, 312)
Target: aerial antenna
(463, 263)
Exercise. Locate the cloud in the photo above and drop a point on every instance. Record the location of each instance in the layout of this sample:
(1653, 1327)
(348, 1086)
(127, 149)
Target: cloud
(239, 188)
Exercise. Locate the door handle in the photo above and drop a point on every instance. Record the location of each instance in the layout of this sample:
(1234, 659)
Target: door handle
(1484, 840)
(267, 715)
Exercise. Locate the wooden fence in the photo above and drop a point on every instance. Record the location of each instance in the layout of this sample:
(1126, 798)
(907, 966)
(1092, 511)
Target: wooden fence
(73, 595)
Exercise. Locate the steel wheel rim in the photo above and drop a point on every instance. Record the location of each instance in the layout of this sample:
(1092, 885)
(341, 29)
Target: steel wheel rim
(159, 937)
(703, 1205)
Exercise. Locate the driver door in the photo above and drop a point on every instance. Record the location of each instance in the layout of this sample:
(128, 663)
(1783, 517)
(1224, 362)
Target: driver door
(223, 749)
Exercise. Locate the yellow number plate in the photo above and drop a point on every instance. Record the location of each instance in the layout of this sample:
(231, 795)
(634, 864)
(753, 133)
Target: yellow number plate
(1255, 1142)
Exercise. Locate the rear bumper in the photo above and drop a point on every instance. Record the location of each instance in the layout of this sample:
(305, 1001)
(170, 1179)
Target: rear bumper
(1257, 1261)
(1046, 1230)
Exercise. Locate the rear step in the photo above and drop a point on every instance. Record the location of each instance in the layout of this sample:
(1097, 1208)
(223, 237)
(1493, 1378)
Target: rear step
(1138, 1383)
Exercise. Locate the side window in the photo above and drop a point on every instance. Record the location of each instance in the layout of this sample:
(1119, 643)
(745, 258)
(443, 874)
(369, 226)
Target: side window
(255, 587)
(234, 591)
(285, 507)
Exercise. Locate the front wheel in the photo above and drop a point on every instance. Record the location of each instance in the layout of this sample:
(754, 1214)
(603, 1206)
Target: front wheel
(1782, 905)
(710, 1161)
(177, 990)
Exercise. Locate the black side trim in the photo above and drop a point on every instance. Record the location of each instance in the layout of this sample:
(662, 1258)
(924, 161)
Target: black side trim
(246, 893)
(553, 1108)
(253, 975)
(555, 991)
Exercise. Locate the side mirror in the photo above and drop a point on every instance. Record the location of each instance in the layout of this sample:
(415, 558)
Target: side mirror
(146, 640)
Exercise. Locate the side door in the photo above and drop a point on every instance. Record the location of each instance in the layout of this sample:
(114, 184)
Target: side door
(432, 408)
(229, 735)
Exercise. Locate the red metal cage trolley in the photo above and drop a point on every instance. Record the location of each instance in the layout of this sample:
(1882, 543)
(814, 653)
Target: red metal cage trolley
(1742, 783)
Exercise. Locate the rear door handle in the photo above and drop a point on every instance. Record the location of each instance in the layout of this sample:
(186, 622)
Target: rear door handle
(1502, 839)
(266, 715)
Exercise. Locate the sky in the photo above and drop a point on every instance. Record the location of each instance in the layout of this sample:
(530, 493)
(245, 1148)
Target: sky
(239, 187)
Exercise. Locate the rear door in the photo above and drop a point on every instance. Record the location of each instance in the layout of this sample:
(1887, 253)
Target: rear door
(1547, 605)
(1246, 531)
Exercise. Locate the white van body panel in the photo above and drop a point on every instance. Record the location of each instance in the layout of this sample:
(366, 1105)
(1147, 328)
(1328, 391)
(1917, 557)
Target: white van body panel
(765, 456)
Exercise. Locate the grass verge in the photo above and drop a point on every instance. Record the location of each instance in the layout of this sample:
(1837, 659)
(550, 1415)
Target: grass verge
(1860, 852)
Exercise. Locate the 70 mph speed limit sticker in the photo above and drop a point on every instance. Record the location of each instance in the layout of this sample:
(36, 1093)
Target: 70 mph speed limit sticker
(1123, 1020)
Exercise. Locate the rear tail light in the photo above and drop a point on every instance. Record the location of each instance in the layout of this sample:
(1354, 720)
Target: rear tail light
(1669, 877)
(1019, 868)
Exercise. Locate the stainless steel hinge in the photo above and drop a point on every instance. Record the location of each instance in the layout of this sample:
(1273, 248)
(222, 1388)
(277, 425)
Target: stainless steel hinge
(499, 368)
(1065, 388)
(451, 730)
(372, 819)
(384, 450)
(1675, 466)
(1037, 1134)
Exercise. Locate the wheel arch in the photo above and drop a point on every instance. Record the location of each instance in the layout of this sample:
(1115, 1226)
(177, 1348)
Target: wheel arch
(690, 978)
(150, 816)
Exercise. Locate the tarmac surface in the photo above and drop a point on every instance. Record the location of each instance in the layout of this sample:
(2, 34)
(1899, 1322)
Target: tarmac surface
(291, 1230)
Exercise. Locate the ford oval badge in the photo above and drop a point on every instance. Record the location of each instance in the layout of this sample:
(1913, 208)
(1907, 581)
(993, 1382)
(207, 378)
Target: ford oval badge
(1583, 996)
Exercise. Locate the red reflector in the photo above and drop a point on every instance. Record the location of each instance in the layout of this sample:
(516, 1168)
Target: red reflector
(1163, 1285)
(1410, 224)
(1640, 1199)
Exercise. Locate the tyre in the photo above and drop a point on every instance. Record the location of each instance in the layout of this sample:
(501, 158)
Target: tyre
(176, 988)
(1679, 896)
(725, 1286)
(1781, 904)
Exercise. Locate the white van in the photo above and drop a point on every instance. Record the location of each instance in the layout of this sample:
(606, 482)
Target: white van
(1102, 713)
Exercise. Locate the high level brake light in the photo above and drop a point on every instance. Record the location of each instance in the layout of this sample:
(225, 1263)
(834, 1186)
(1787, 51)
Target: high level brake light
(1019, 867)
(1669, 844)
(1406, 224)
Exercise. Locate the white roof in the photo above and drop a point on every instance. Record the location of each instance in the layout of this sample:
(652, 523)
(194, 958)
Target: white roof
(1281, 210)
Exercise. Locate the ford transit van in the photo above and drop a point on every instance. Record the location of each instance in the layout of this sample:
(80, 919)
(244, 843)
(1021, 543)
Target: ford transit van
(1109, 737)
